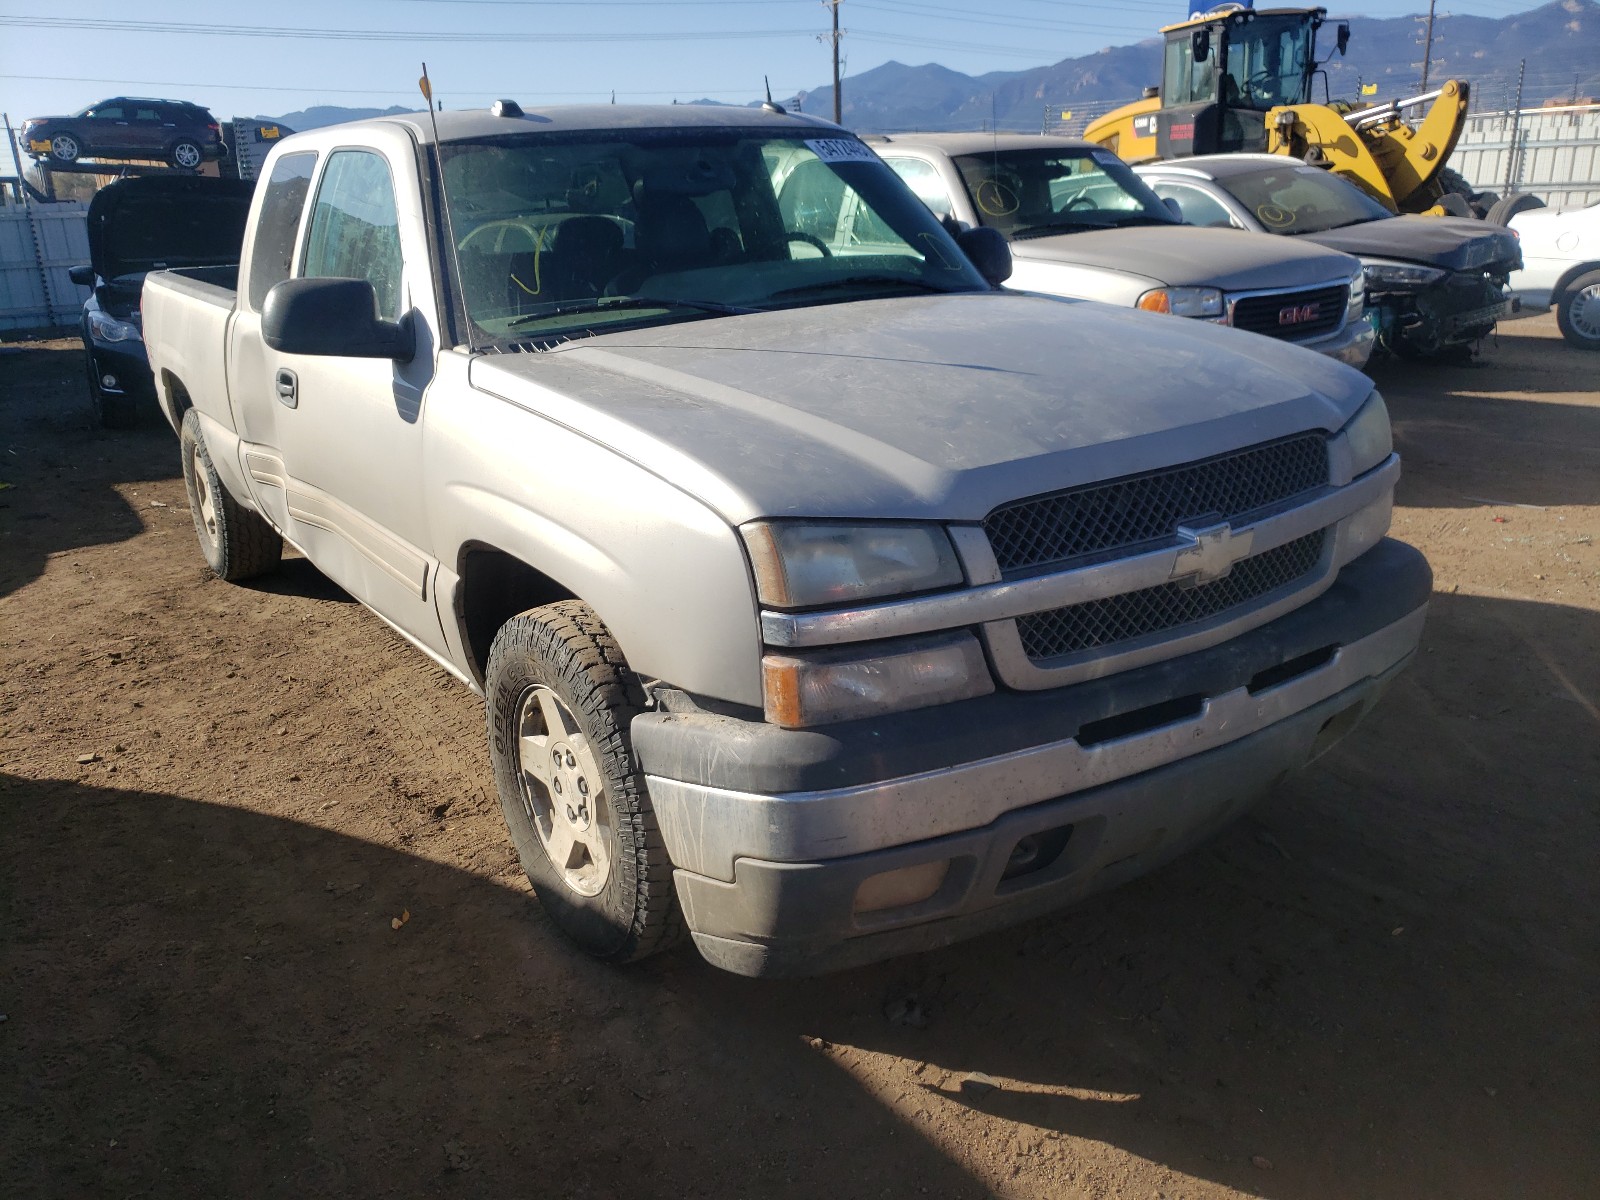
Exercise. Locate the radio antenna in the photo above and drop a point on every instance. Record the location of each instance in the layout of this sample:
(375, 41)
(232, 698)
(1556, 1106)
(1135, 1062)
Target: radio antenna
(769, 106)
(444, 196)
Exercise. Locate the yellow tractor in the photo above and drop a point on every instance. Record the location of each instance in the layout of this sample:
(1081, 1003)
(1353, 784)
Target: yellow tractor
(1240, 79)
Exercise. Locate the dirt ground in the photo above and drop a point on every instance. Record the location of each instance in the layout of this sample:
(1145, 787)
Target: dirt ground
(216, 802)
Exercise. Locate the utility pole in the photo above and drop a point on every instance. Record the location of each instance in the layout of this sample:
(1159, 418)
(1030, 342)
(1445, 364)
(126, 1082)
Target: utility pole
(1427, 45)
(833, 38)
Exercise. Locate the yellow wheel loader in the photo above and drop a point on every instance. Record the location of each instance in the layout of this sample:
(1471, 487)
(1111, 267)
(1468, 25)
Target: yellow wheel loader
(1240, 79)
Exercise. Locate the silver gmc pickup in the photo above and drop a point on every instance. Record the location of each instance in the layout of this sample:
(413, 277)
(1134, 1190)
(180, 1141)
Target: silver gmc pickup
(827, 601)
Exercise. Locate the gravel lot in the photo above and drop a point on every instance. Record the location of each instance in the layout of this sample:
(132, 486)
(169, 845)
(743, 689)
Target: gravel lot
(219, 802)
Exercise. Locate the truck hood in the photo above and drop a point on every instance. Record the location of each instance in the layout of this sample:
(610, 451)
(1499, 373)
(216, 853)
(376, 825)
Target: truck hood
(1188, 256)
(149, 223)
(934, 407)
(1453, 243)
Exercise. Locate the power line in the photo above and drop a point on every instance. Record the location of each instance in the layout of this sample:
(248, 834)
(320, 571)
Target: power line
(384, 35)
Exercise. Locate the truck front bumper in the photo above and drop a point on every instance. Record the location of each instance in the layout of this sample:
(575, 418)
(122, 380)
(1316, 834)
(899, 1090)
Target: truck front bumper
(1352, 344)
(804, 851)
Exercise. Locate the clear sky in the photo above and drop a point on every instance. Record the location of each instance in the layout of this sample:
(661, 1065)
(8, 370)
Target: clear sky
(277, 56)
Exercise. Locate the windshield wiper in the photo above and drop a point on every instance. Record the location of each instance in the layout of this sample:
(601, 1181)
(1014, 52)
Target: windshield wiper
(846, 282)
(625, 303)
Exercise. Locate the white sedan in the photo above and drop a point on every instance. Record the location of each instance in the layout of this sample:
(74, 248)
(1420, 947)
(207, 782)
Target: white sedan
(1561, 269)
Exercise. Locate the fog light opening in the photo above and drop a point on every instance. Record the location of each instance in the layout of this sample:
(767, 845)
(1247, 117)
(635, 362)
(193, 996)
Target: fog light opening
(109, 382)
(898, 889)
(1036, 851)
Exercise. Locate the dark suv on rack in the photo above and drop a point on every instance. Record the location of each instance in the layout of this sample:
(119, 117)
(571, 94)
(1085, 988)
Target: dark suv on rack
(173, 131)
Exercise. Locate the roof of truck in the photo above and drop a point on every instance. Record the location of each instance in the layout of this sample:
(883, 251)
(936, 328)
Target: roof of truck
(481, 123)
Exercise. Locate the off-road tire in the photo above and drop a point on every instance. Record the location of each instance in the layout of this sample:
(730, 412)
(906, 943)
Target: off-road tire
(1503, 209)
(565, 648)
(237, 543)
(1584, 331)
(186, 154)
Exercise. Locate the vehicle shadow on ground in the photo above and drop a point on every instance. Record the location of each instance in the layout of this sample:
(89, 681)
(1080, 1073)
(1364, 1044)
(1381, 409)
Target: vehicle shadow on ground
(56, 460)
(1283, 1012)
(204, 1000)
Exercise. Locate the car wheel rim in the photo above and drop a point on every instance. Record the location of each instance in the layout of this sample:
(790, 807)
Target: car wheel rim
(187, 156)
(1584, 313)
(205, 502)
(562, 792)
(64, 147)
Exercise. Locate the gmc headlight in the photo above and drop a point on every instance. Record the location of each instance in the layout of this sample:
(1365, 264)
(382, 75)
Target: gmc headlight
(106, 328)
(1182, 302)
(1368, 435)
(1395, 274)
(803, 564)
(1357, 305)
(819, 687)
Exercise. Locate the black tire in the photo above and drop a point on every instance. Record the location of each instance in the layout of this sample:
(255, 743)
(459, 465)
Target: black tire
(1482, 202)
(110, 411)
(1503, 209)
(186, 154)
(1456, 204)
(1578, 314)
(557, 682)
(237, 543)
(65, 148)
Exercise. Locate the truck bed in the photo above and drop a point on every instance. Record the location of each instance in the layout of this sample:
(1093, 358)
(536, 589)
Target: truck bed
(186, 316)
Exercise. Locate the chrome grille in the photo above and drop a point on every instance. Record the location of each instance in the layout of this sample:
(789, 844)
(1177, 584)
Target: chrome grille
(1103, 518)
(1292, 314)
(1100, 623)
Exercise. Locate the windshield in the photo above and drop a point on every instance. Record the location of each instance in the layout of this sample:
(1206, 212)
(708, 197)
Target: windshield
(559, 234)
(1302, 199)
(1269, 62)
(1025, 193)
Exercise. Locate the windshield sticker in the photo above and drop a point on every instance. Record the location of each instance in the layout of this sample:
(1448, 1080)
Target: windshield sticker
(1274, 217)
(841, 150)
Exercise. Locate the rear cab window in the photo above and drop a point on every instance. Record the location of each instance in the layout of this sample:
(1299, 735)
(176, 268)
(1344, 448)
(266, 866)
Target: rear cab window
(278, 226)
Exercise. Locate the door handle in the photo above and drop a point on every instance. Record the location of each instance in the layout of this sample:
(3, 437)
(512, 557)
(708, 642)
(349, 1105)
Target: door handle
(288, 388)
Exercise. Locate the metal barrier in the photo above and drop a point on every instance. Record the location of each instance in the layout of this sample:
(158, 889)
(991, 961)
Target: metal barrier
(38, 243)
(1552, 152)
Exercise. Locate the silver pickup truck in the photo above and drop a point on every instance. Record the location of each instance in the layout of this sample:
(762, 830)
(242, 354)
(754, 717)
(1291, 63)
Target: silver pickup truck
(827, 601)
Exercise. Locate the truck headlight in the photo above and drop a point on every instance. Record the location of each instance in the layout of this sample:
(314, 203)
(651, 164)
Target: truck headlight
(806, 564)
(1357, 306)
(1381, 275)
(106, 328)
(823, 686)
(1369, 436)
(1182, 302)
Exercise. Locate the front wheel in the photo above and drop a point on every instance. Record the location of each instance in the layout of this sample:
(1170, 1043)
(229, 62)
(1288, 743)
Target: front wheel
(64, 148)
(187, 155)
(560, 699)
(1578, 314)
(237, 543)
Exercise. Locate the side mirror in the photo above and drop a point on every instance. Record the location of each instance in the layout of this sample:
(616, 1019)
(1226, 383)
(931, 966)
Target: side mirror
(989, 252)
(333, 318)
(83, 276)
(1200, 44)
(1173, 207)
(1343, 37)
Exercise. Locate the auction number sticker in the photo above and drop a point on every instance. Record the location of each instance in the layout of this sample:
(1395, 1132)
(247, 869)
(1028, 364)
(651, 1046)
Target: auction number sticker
(841, 150)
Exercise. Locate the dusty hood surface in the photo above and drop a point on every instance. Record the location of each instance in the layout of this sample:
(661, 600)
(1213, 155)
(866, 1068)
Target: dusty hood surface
(1188, 256)
(937, 407)
(1454, 243)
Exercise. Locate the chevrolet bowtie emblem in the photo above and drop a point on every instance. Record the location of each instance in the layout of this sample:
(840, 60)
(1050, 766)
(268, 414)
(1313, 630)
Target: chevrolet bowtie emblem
(1211, 553)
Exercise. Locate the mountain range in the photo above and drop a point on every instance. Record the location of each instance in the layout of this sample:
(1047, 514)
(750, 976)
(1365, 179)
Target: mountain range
(1555, 49)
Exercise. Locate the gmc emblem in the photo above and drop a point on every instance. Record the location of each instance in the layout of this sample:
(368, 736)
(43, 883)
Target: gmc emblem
(1297, 314)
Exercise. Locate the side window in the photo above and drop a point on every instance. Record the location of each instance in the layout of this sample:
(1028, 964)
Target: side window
(1198, 207)
(272, 253)
(355, 232)
(108, 112)
(145, 114)
(924, 180)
